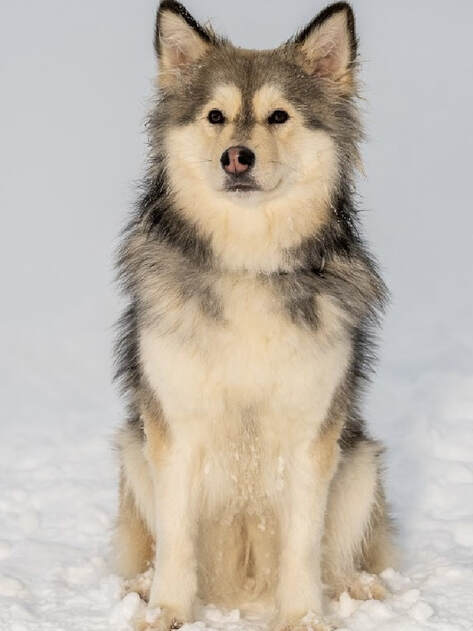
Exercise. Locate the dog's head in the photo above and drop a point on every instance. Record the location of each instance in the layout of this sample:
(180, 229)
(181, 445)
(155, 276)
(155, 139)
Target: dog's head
(256, 142)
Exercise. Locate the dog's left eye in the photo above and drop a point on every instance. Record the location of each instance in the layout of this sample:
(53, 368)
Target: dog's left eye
(216, 117)
(278, 117)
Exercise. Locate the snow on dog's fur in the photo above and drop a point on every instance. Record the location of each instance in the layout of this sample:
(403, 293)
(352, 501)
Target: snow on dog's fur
(247, 475)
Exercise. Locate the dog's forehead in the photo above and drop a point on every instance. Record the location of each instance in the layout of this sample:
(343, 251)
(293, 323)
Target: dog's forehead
(247, 70)
(245, 107)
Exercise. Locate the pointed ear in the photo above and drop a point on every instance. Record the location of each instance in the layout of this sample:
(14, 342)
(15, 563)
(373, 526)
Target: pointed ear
(327, 47)
(180, 41)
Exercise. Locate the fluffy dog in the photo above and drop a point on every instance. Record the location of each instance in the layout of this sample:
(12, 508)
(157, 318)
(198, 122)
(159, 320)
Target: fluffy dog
(247, 475)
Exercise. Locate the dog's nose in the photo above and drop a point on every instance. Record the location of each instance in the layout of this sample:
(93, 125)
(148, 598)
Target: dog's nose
(236, 160)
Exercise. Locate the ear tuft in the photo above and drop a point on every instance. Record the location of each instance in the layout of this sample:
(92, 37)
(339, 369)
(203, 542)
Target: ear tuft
(327, 47)
(180, 41)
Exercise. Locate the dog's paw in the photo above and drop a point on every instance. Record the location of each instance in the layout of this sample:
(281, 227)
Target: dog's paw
(367, 587)
(321, 625)
(140, 585)
(310, 622)
(161, 619)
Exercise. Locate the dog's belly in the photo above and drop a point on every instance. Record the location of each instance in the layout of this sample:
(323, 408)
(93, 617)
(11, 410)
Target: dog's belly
(245, 390)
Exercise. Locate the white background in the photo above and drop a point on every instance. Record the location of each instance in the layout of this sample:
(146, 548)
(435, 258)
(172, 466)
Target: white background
(76, 80)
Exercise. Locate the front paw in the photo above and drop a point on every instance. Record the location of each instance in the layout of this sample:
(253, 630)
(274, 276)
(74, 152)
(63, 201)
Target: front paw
(309, 622)
(367, 587)
(161, 619)
(140, 585)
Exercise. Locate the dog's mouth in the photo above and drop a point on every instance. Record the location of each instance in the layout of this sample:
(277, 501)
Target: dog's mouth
(241, 185)
(246, 185)
(241, 188)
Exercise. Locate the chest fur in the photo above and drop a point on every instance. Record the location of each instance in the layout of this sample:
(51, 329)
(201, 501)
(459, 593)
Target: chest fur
(250, 356)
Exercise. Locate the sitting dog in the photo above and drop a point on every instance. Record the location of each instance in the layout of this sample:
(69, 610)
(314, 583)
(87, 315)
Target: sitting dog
(247, 475)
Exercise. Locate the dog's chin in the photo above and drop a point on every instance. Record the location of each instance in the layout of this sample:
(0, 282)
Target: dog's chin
(247, 190)
(241, 186)
(242, 189)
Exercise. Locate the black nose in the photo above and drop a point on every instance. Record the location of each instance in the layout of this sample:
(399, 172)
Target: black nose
(237, 160)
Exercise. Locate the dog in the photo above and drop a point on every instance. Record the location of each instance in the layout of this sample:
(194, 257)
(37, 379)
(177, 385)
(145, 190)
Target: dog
(248, 478)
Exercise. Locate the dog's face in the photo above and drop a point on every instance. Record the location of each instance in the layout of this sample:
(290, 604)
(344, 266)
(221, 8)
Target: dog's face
(246, 142)
(259, 131)
(251, 142)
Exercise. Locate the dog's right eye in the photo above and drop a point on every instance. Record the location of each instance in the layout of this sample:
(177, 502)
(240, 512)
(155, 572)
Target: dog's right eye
(216, 117)
(278, 117)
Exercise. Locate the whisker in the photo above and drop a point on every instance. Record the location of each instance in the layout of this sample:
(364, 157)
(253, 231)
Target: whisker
(199, 161)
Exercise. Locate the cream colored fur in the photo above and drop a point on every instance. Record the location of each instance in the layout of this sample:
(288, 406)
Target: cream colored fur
(240, 481)
(296, 168)
(181, 46)
(326, 51)
(239, 551)
(245, 404)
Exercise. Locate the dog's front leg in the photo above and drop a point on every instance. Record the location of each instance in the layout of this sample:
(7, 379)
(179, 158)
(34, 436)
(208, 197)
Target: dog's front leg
(308, 477)
(174, 586)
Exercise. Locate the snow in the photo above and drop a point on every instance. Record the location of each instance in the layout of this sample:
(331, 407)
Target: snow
(74, 82)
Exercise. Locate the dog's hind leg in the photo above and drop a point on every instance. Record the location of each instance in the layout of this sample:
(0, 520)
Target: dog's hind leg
(357, 540)
(134, 546)
(133, 540)
(379, 551)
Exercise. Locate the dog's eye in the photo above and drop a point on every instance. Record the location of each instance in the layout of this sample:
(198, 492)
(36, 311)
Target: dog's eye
(216, 117)
(278, 117)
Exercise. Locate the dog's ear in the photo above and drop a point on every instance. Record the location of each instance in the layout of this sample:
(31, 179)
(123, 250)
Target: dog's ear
(327, 47)
(180, 42)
